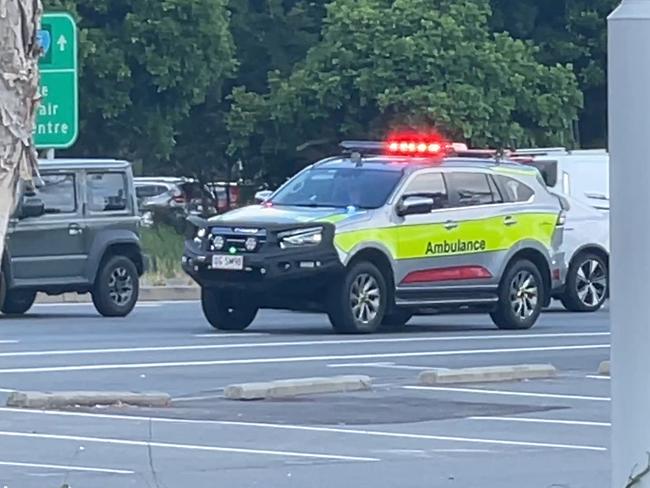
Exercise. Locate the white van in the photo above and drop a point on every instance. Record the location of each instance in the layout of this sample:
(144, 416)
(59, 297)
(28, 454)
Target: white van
(581, 174)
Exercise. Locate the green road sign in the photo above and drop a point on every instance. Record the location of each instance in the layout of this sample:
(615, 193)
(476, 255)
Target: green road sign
(57, 122)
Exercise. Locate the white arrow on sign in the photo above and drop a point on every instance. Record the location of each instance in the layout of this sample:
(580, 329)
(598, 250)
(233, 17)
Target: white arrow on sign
(62, 42)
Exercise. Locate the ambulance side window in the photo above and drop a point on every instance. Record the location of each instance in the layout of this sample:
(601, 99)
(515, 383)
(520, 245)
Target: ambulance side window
(471, 189)
(430, 185)
(514, 190)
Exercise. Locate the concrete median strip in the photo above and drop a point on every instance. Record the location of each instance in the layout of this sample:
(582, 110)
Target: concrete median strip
(37, 399)
(296, 387)
(147, 294)
(487, 374)
(603, 369)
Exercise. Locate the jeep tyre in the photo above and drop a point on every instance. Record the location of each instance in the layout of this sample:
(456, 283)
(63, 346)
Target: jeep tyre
(358, 302)
(225, 316)
(587, 283)
(116, 288)
(18, 302)
(521, 296)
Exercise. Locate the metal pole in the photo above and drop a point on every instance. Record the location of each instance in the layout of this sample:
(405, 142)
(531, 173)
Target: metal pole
(49, 154)
(629, 131)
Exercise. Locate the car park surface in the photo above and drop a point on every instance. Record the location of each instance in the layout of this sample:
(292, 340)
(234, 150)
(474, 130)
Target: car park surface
(531, 433)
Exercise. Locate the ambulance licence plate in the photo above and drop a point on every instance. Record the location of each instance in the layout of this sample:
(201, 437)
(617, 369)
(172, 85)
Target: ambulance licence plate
(232, 263)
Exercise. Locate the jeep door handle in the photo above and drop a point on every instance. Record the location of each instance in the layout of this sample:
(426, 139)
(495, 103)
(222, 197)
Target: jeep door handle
(450, 224)
(509, 220)
(74, 230)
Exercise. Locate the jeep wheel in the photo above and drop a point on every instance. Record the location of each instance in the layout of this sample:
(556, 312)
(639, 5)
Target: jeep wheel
(586, 284)
(17, 302)
(521, 297)
(357, 305)
(116, 287)
(397, 318)
(223, 315)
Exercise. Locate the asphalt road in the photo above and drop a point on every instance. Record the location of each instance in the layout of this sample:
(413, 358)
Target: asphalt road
(544, 433)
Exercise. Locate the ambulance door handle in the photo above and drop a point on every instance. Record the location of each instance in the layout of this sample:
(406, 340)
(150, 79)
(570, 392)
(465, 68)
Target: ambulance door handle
(450, 224)
(509, 220)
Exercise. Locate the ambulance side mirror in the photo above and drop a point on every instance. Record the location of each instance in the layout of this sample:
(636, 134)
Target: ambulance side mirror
(415, 205)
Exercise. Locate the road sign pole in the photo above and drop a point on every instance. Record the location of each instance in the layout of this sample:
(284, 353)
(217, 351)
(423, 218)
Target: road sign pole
(49, 154)
(629, 129)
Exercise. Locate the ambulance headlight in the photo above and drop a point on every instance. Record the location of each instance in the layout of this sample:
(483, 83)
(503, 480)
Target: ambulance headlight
(312, 236)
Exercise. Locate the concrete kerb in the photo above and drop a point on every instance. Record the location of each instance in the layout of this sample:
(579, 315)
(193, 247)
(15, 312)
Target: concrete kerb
(295, 387)
(487, 374)
(603, 368)
(43, 400)
(147, 294)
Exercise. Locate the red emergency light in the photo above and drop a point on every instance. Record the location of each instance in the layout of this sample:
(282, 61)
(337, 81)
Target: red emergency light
(416, 145)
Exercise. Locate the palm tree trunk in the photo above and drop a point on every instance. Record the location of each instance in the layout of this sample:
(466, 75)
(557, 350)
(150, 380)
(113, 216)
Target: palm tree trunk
(19, 79)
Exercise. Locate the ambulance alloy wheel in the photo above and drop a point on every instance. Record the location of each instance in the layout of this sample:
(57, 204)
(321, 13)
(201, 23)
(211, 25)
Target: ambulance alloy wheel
(587, 284)
(358, 303)
(224, 314)
(521, 296)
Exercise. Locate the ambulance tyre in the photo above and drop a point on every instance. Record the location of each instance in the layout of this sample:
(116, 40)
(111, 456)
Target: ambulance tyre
(397, 318)
(357, 303)
(521, 296)
(223, 315)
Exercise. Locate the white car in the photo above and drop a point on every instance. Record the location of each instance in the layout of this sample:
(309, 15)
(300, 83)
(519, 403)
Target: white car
(585, 247)
(582, 173)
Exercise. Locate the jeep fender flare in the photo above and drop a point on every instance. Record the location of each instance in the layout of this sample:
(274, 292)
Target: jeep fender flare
(103, 242)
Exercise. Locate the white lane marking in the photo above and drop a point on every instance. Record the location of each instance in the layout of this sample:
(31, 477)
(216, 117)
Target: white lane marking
(378, 365)
(333, 430)
(597, 377)
(9, 342)
(584, 423)
(7, 390)
(66, 468)
(508, 393)
(296, 359)
(403, 435)
(257, 345)
(188, 447)
(243, 335)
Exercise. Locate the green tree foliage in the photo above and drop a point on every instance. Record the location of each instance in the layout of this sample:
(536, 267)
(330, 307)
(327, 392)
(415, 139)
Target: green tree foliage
(144, 65)
(567, 31)
(268, 35)
(384, 64)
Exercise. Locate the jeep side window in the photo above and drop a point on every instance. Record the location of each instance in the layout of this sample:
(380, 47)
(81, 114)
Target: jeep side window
(514, 190)
(58, 193)
(106, 192)
(471, 189)
(430, 185)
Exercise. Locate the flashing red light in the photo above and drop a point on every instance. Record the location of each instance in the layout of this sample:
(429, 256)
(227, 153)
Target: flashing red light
(414, 145)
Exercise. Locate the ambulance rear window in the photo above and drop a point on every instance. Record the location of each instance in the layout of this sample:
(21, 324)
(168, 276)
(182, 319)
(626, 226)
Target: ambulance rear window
(548, 170)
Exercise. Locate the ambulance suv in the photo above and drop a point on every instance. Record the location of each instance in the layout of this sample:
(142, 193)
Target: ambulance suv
(382, 232)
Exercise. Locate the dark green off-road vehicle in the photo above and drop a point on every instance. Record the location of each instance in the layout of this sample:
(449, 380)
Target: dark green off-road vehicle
(79, 232)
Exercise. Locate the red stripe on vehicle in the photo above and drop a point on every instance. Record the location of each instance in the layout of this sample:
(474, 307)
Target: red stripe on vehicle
(455, 273)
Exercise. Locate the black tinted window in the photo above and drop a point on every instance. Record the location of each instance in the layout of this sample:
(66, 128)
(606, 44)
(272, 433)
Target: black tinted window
(514, 190)
(469, 189)
(58, 194)
(106, 192)
(431, 185)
